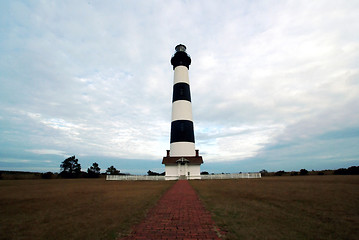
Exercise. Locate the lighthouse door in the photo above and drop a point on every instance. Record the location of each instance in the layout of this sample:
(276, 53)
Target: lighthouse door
(182, 169)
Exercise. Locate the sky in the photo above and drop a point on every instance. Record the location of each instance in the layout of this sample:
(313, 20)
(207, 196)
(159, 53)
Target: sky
(274, 84)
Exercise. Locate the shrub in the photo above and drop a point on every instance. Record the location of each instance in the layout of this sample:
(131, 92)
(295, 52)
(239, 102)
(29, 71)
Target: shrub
(47, 175)
(341, 171)
(150, 173)
(353, 170)
(303, 172)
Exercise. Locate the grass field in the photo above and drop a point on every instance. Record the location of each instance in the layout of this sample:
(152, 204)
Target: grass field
(302, 207)
(74, 209)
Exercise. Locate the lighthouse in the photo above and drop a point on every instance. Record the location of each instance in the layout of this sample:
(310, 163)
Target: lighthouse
(182, 161)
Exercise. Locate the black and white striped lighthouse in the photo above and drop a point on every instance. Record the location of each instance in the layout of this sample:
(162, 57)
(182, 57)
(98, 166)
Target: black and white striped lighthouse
(182, 160)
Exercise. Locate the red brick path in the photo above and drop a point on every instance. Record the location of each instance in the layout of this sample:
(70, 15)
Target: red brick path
(179, 214)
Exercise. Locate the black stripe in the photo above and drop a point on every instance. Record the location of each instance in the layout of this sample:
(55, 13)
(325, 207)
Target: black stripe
(181, 91)
(182, 131)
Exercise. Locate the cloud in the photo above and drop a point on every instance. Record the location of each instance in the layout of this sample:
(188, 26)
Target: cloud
(48, 152)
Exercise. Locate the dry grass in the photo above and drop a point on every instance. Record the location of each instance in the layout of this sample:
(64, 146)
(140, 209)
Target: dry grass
(74, 209)
(309, 207)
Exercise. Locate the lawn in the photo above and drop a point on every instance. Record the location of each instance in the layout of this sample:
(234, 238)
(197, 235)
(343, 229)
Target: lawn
(300, 207)
(74, 209)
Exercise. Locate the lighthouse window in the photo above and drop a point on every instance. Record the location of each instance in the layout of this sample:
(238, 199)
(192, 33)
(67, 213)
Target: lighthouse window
(182, 127)
(181, 91)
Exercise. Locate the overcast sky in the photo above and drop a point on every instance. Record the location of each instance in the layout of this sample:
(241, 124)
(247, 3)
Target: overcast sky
(274, 84)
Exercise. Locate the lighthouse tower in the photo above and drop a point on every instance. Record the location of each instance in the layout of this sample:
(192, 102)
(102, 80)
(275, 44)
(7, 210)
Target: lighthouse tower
(182, 160)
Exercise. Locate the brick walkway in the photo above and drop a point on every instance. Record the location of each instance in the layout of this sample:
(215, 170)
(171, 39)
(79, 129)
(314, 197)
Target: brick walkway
(179, 214)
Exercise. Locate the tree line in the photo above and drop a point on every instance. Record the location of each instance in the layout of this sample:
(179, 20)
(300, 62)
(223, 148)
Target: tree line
(353, 170)
(71, 168)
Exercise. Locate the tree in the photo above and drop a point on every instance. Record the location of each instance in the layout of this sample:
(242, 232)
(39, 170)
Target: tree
(279, 173)
(341, 171)
(70, 168)
(150, 173)
(112, 171)
(263, 172)
(94, 171)
(303, 172)
(353, 170)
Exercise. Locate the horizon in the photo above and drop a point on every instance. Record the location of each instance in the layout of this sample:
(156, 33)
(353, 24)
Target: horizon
(103, 171)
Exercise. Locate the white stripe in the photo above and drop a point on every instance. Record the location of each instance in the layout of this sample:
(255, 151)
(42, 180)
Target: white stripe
(181, 110)
(182, 149)
(181, 75)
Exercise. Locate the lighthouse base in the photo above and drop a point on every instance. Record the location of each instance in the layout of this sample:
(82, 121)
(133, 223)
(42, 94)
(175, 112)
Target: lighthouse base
(177, 171)
(187, 167)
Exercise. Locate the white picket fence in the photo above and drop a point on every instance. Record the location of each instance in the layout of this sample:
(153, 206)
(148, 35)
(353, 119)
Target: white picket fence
(161, 178)
(231, 176)
(134, 178)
